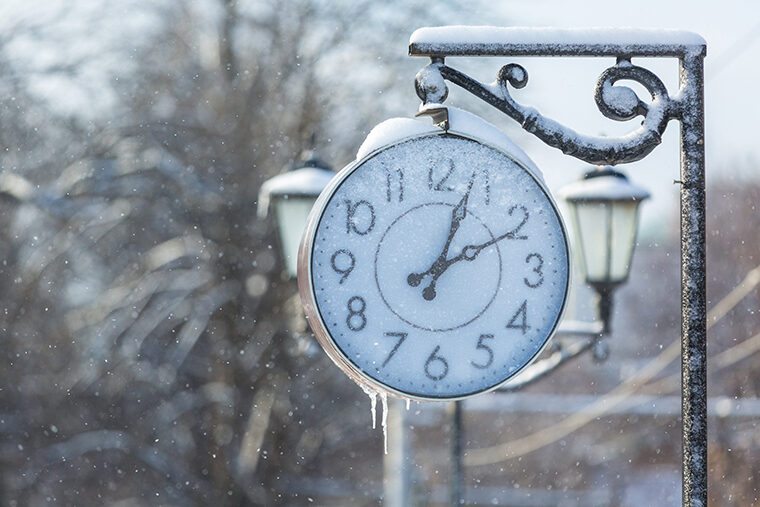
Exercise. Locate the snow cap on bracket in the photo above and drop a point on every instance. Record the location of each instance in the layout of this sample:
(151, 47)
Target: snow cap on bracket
(602, 36)
(460, 122)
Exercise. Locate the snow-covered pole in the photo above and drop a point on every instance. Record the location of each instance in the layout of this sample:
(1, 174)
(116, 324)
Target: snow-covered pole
(618, 103)
(693, 276)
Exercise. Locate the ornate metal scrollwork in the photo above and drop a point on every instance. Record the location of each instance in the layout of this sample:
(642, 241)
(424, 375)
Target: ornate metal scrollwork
(619, 103)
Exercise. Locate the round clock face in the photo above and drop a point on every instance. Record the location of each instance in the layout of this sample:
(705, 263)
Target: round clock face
(435, 268)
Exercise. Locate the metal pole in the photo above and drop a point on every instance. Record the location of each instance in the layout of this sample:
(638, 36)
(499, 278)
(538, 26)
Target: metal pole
(455, 452)
(396, 469)
(693, 298)
(687, 106)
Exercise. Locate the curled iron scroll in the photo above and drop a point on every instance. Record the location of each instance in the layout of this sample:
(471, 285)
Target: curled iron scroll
(619, 103)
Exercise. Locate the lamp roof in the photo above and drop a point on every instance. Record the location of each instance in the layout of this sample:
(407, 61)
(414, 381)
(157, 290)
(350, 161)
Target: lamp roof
(305, 179)
(310, 158)
(603, 184)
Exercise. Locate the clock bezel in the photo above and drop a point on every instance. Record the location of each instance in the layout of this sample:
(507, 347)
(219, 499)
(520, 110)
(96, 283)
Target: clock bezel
(308, 295)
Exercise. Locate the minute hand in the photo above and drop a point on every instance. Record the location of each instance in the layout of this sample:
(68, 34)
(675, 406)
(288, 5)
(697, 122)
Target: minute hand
(441, 263)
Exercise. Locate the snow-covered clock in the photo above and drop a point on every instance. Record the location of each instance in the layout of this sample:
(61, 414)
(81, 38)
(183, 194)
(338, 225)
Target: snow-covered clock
(436, 265)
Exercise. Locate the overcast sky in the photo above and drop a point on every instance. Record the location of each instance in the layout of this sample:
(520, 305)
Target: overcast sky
(559, 88)
(732, 31)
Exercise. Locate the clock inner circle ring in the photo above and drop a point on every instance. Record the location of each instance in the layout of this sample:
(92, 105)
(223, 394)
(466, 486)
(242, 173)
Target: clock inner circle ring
(463, 290)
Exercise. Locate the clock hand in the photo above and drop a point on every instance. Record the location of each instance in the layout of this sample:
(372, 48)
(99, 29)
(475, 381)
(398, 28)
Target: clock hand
(440, 264)
(468, 253)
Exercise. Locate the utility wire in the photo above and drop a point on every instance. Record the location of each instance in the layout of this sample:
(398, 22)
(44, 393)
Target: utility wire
(622, 393)
(734, 50)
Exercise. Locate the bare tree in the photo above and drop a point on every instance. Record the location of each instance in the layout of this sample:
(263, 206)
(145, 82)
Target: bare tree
(154, 352)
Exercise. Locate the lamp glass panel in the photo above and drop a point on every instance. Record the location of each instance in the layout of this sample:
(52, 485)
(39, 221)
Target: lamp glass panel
(592, 230)
(292, 214)
(624, 219)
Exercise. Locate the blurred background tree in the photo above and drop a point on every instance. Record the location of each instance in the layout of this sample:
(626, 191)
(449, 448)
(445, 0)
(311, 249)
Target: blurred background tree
(154, 351)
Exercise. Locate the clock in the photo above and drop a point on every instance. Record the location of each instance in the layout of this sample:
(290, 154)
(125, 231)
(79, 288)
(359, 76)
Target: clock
(435, 267)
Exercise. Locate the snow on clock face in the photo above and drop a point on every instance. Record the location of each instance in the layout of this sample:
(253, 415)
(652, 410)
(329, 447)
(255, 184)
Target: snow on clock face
(434, 268)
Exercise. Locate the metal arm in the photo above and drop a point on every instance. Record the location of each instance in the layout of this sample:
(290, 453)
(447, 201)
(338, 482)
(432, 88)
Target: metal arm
(617, 103)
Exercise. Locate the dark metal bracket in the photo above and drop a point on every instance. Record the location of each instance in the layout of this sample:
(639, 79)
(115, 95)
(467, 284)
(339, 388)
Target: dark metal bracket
(618, 103)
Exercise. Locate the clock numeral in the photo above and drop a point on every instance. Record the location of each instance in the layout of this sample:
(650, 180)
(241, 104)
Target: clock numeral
(524, 211)
(356, 314)
(520, 319)
(360, 217)
(401, 337)
(537, 270)
(390, 175)
(482, 346)
(339, 264)
(436, 367)
(440, 185)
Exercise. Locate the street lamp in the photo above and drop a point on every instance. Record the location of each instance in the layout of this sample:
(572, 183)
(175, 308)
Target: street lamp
(603, 208)
(292, 195)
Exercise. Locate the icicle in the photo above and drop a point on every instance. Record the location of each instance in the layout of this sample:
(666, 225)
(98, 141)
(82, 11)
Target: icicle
(373, 403)
(408, 403)
(384, 398)
(373, 409)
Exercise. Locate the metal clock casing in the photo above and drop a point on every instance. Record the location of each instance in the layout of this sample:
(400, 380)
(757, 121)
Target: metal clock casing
(436, 267)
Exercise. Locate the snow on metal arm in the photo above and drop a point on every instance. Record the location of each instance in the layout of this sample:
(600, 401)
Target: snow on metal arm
(615, 102)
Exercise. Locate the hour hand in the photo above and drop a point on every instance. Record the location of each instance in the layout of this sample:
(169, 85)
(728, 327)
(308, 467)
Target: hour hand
(469, 252)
